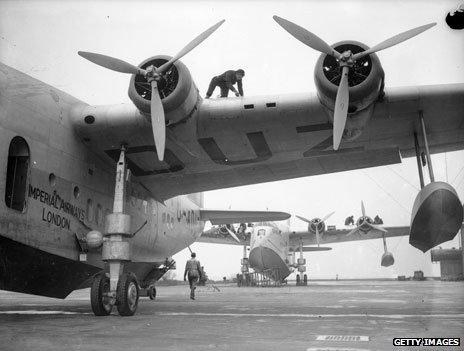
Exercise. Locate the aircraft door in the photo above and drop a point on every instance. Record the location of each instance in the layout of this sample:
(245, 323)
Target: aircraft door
(16, 174)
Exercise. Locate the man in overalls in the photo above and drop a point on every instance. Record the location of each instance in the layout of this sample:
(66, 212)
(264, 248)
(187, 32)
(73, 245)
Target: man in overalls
(226, 82)
(193, 270)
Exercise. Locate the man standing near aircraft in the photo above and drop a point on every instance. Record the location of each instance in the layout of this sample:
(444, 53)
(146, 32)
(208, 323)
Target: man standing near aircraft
(193, 270)
(226, 82)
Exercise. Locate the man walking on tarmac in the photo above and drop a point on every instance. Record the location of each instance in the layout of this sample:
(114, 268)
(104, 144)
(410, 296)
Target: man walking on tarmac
(193, 270)
(226, 82)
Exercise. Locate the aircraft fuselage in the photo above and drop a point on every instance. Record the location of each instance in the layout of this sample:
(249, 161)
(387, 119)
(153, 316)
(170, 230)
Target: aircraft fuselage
(54, 188)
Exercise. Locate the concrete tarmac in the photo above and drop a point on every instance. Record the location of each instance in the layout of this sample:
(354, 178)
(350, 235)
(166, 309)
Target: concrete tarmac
(350, 315)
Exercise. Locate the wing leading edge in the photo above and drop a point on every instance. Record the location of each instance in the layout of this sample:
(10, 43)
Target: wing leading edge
(341, 235)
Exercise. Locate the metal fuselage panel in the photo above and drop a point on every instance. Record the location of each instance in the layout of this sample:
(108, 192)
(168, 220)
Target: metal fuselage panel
(53, 214)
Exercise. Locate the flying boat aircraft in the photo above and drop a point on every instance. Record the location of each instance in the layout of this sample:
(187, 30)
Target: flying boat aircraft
(273, 245)
(104, 195)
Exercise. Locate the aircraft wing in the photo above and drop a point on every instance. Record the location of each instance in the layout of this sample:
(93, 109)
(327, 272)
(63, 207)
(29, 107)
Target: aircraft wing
(229, 217)
(241, 141)
(228, 235)
(220, 235)
(341, 235)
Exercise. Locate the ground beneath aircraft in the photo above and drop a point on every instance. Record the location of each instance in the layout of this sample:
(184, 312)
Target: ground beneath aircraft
(278, 318)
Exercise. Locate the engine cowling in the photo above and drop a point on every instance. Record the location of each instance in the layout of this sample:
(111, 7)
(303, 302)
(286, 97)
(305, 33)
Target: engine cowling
(178, 92)
(365, 79)
(316, 223)
(363, 224)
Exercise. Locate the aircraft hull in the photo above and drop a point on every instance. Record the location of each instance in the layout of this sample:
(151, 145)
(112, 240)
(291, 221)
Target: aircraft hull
(268, 262)
(26, 269)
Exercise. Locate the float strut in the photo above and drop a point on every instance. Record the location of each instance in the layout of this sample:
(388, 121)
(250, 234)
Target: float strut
(427, 151)
(116, 248)
(384, 243)
(418, 157)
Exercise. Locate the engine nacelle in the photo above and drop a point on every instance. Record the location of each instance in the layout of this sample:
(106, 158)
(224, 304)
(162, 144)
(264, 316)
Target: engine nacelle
(363, 224)
(365, 79)
(316, 223)
(178, 92)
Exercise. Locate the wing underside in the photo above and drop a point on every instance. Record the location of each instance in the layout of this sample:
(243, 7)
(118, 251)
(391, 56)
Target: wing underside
(235, 142)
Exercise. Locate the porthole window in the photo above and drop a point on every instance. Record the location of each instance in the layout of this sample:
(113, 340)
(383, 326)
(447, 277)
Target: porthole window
(89, 210)
(52, 179)
(172, 222)
(76, 192)
(16, 174)
(89, 119)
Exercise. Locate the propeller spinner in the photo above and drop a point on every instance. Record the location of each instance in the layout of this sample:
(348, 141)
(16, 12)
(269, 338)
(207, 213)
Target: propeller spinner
(152, 75)
(346, 61)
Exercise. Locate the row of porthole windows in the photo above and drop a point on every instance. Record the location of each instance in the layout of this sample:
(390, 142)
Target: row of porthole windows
(91, 215)
(15, 192)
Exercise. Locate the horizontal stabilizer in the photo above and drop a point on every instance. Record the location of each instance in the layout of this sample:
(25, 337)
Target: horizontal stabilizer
(316, 248)
(228, 217)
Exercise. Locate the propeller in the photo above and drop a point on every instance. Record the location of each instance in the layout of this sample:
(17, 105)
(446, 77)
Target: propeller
(341, 108)
(153, 75)
(366, 222)
(346, 60)
(232, 234)
(111, 63)
(318, 236)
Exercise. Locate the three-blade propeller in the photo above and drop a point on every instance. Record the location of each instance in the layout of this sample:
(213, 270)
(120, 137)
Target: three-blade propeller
(316, 225)
(366, 222)
(152, 75)
(346, 60)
